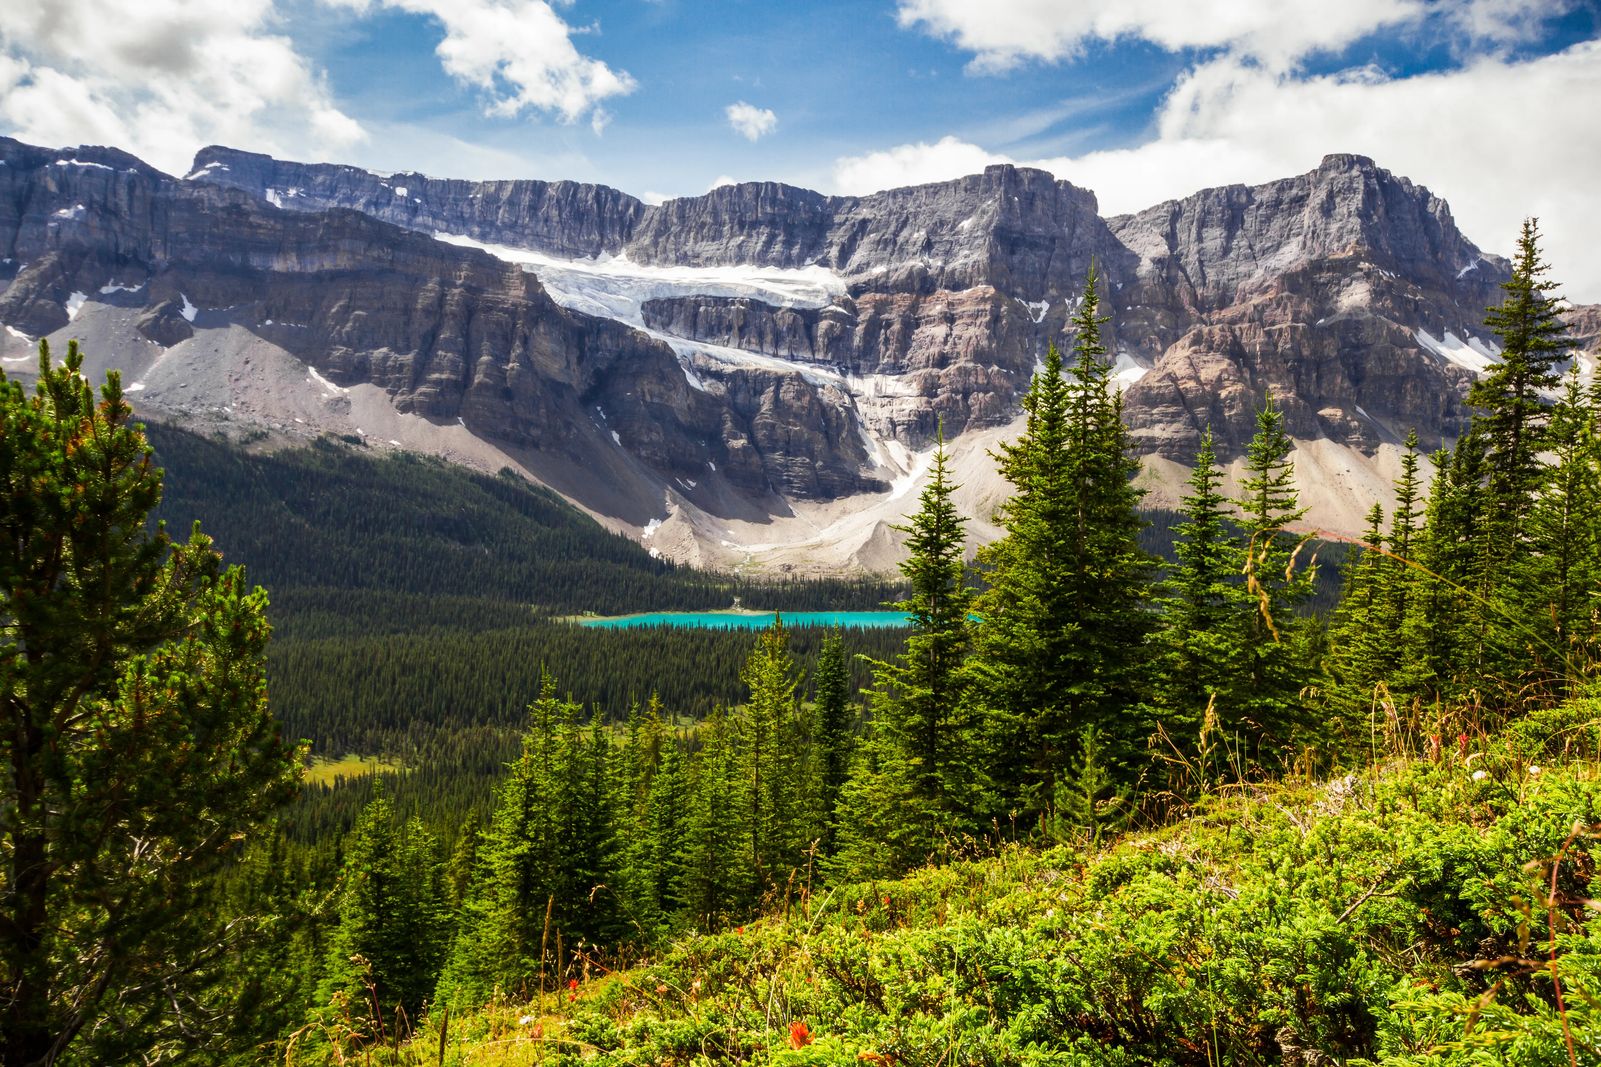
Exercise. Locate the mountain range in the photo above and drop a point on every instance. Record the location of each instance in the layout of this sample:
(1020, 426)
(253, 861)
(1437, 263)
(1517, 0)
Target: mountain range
(756, 376)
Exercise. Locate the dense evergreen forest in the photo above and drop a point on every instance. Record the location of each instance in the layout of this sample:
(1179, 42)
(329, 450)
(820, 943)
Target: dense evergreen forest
(1280, 835)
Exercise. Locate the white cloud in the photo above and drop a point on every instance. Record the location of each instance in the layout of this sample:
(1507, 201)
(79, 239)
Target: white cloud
(162, 80)
(1497, 140)
(749, 121)
(1003, 33)
(519, 54)
(720, 181)
(911, 164)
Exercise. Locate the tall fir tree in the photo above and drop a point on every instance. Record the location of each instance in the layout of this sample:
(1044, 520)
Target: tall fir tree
(715, 884)
(779, 822)
(1511, 409)
(1279, 581)
(1062, 644)
(1439, 632)
(545, 865)
(1509, 428)
(835, 738)
(1553, 586)
(1358, 653)
(1207, 607)
(391, 922)
(924, 767)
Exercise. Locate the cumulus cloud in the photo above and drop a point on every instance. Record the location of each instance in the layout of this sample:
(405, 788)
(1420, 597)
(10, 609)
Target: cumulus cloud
(911, 164)
(749, 121)
(519, 54)
(163, 80)
(1498, 140)
(1003, 33)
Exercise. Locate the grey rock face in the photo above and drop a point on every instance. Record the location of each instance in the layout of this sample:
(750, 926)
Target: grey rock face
(1331, 289)
(1313, 288)
(563, 218)
(448, 332)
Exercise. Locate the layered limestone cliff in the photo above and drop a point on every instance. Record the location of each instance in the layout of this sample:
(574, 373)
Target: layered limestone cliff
(750, 361)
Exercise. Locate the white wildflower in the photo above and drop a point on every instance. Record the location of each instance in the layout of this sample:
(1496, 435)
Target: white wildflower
(1479, 776)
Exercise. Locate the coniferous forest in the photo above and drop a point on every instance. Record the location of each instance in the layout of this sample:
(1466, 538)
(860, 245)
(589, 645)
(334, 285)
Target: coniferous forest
(1111, 798)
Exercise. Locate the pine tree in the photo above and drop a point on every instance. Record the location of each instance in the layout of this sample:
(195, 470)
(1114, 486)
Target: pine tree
(1511, 411)
(666, 833)
(1065, 620)
(138, 747)
(1439, 632)
(1279, 583)
(831, 684)
(920, 709)
(1553, 586)
(715, 877)
(390, 930)
(1359, 652)
(1207, 607)
(779, 824)
(549, 851)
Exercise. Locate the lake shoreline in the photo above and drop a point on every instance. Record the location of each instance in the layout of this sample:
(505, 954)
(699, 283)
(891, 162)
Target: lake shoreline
(739, 618)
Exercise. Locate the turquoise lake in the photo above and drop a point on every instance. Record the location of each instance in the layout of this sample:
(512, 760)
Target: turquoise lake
(727, 621)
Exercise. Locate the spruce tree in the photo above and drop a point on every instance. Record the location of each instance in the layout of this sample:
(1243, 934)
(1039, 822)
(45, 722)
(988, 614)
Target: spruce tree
(1207, 607)
(1511, 410)
(1359, 649)
(715, 878)
(391, 925)
(919, 779)
(1439, 632)
(920, 708)
(1277, 580)
(781, 816)
(1065, 621)
(1553, 586)
(666, 834)
(549, 850)
(831, 688)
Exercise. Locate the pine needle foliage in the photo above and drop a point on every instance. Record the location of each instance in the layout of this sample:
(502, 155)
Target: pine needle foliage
(1065, 620)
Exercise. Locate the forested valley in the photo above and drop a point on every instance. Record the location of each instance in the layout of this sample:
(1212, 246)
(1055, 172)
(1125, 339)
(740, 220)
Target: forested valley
(1132, 787)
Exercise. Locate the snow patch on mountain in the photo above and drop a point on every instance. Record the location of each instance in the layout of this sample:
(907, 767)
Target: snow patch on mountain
(1472, 354)
(615, 287)
(1126, 371)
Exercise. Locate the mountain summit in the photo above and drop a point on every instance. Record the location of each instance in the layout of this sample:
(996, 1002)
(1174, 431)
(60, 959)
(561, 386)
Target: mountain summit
(756, 374)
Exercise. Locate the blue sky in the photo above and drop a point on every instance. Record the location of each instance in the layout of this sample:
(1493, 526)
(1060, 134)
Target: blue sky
(1488, 102)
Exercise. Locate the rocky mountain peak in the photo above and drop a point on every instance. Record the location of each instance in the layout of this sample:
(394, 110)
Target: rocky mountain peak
(742, 355)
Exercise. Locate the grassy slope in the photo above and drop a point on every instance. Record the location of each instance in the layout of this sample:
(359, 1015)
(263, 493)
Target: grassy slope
(1293, 923)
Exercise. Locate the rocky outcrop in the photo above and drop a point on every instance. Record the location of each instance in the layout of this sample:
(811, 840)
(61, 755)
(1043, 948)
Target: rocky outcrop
(773, 341)
(562, 218)
(449, 333)
(1315, 288)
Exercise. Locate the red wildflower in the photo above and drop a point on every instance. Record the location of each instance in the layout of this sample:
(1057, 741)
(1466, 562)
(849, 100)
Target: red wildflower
(572, 983)
(739, 929)
(799, 1034)
(886, 901)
